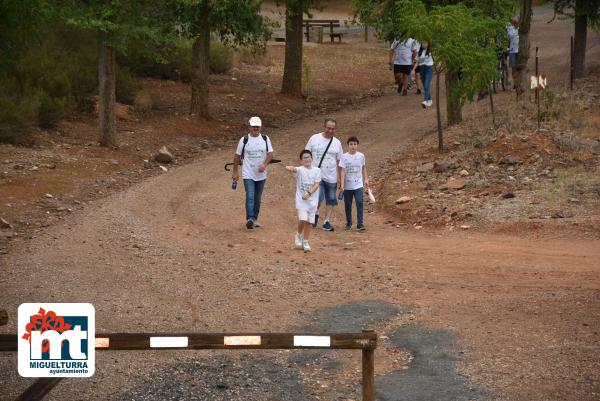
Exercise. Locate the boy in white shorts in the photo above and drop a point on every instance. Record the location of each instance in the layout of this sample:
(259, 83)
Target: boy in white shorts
(308, 179)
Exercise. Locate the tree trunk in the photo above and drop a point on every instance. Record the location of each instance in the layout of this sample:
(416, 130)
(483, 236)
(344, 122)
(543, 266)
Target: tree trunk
(438, 113)
(453, 105)
(523, 57)
(201, 65)
(107, 78)
(292, 69)
(581, 21)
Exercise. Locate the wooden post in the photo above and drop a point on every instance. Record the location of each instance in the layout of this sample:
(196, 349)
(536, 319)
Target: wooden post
(571, 67)
(3, 317)
(368, 373)
(492, 106)
(537, 90)
(366, 33)
(331, 30)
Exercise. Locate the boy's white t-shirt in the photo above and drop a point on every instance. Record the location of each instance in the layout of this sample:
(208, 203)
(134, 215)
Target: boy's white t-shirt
(255, 154)
(353, 165)
(305, 180)
(317, 145)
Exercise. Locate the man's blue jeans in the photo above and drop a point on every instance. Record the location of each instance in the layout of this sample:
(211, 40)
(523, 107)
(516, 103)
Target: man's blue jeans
(357, 194)
(426, 72)
(254, 190)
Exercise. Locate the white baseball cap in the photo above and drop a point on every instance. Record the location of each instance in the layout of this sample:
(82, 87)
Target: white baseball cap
(255, 122)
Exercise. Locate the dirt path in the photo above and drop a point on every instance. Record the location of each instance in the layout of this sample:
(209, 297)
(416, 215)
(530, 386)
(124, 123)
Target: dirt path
(172, 254)
(175, 248)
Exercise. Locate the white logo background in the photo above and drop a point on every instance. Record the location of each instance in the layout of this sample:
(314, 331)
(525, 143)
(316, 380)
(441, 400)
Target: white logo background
(56, 367)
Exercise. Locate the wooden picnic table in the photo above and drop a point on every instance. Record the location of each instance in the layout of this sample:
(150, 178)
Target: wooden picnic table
(331, 23)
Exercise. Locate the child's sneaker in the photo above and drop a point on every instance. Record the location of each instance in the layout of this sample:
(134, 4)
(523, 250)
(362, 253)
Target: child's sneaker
(327, 226)
(298, 241)
(348, 227)
(250, 224)
(361, 228)
(256, 224)
(306, 246)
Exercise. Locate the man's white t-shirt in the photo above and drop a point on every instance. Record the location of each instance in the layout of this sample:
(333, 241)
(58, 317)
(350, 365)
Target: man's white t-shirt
(513, 38)
(353, 165)
(255, 154)
(403, 51)
(305, 180)
(317, 145)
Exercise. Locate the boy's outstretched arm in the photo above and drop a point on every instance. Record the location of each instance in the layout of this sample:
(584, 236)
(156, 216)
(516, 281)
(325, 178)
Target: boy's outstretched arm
(291, 169)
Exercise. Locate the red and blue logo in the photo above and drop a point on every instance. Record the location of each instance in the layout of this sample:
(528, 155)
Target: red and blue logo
(57, 340)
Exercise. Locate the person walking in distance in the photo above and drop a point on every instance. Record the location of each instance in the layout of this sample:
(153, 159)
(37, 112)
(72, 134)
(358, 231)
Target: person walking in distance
(401, 56)
(308, 179)
(254, 152)
(327, 151)
(512, 30)
(425, 61)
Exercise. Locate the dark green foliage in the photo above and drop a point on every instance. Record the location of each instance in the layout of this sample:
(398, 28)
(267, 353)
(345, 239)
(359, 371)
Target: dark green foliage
(221, 58)
(573, 8)
(171, 61)
(126, 87)
(175, 61)
(16, 120)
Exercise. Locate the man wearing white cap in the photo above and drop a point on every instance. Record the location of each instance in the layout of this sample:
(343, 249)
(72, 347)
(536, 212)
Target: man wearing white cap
(254, 152)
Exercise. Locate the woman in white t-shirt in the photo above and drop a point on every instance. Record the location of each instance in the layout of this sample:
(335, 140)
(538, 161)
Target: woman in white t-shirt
(354, 181)
(425, 60)
(308, 179)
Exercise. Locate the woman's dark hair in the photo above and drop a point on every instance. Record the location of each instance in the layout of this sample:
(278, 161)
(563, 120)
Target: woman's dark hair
(305, 152)
(353, 139)
(428, 49)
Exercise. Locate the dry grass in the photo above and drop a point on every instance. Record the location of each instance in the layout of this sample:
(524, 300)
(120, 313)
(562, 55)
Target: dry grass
(572, 184)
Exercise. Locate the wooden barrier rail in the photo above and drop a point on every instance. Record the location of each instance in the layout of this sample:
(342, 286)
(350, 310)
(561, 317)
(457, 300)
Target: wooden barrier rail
(365, 341)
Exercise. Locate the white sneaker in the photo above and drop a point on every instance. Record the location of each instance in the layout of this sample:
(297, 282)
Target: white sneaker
(298, 241)
(306, 246)
(424, 104)
(429, 103)
(256, 224)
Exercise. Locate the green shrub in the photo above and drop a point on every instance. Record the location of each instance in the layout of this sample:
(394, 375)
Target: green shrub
(45, 77)
(172, 62)
(221, 58)
(18, 120)
(181, 61)
(253, 55)
(126, 86)
(550, 109)
(51, 109)
(143, 102)
(175, 62)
